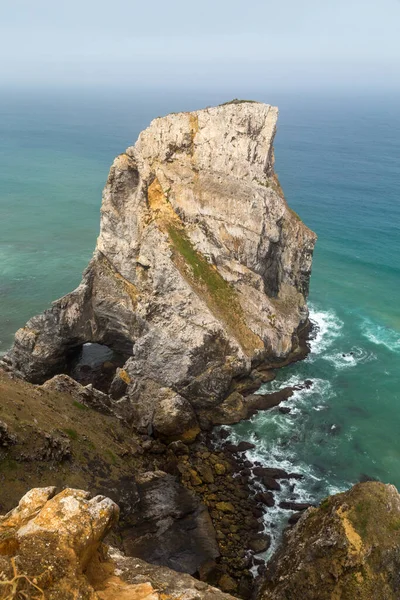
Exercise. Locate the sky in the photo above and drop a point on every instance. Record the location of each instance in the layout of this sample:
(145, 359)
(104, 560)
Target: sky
(176, 43)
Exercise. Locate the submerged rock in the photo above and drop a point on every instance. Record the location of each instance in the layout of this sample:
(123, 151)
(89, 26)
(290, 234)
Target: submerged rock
(348, 548)
(201, 270)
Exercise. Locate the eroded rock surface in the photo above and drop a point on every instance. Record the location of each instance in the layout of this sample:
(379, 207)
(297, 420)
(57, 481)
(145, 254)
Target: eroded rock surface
(170, 526)
(346, 549)
(200, 271)
(50, 548)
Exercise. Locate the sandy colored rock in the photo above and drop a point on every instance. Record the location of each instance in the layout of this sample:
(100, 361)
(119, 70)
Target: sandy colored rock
(50, 549)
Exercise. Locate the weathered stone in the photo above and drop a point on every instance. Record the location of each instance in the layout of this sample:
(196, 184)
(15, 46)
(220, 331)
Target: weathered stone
(191, 285)
(50, 549)
(174, 417)
(220, 469)
(227, 584)
(260, 543)
(347, 548)
(6, 438)
(179, 448)
(160, 524)
(54, 539)
(225, 507)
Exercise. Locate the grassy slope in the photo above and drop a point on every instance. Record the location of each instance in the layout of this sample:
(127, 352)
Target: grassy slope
(104, 452)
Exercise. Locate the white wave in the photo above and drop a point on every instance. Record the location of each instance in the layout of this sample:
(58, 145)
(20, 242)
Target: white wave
(381, 335)
(343, 360)
(327, 327)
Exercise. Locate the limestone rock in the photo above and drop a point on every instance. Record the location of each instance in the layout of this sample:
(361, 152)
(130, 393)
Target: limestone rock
(201, 270)
(348, 548)
(165, 583)
(50, 549)
(52, 539)
(174, 418)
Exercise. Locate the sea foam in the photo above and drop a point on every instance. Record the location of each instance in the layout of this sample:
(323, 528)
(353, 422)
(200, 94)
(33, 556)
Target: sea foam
(381, 335)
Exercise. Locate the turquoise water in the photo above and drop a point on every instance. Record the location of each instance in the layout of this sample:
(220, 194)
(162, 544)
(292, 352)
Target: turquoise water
(337, 159)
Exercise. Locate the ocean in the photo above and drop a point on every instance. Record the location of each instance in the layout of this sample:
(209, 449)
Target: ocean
(337, 157)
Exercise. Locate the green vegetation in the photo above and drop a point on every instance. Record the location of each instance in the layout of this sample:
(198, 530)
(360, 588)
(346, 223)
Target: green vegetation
(8, 464)
(296, 216)
(219, 295)
(238, 101)
(324, 504)
(71, 433)
(111, 456)
(79, 405)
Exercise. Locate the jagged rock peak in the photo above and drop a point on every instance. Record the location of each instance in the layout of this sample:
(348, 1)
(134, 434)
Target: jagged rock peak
(200, 272)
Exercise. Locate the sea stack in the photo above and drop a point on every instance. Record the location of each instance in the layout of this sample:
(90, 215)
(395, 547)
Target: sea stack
(200, 272)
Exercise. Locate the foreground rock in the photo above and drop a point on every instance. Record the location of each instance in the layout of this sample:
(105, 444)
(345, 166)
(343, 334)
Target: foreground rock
(170, 526)
(201, 271)
(346, 549)
(50, 548)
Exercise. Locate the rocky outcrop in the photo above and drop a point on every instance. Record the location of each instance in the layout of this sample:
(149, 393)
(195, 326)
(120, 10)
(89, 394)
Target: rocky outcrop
(200, 272)
(50, 548)
(346, 549)
(170, 526)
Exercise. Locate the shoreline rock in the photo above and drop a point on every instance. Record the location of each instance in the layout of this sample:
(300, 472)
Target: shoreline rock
(189, 287)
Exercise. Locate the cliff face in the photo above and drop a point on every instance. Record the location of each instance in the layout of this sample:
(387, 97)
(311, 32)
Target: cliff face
(50, 548)
(200, 271)
(346, 549)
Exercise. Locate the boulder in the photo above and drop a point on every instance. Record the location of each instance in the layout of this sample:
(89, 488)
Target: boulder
(174, 418)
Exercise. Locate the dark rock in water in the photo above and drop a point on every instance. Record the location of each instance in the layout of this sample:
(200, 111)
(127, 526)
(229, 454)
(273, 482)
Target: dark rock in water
(260, 543)
(295, 505)
(223, 433)
(365, 477)
(256, 402)
(169, 525)
(308, 384)
(243, 446)
(232, 448)
(285, 410)
(295, 517)
(271, 483)
(266, 498)
(295, 476)
(275, 473)
(335, 429)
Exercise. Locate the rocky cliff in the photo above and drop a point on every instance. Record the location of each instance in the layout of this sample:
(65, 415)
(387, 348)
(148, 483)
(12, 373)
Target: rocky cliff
(200, 272)
(50, 549)
(347, 549)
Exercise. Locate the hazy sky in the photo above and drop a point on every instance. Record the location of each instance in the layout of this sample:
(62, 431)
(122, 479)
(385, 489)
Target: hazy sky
(182, 42)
